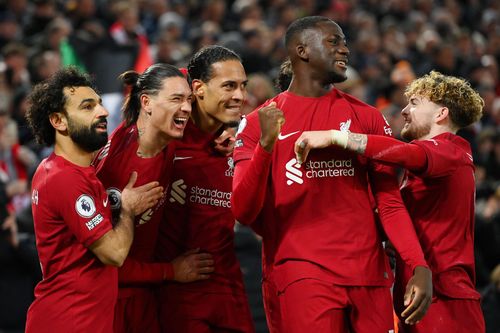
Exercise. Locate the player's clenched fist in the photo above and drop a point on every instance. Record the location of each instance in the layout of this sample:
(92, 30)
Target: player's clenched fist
(271, 119)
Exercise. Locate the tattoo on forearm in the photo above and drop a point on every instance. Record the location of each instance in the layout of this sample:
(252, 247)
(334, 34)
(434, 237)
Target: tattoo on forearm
(357, 142)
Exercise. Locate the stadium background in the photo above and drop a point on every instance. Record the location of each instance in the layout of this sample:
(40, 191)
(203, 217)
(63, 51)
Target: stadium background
(391, 43)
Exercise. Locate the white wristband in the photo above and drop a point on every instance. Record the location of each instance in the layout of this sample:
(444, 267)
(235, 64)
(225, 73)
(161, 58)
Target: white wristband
(339, 138)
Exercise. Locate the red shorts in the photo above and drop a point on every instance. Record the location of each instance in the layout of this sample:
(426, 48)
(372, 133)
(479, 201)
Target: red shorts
(271, 305)
(137, 313)
(312, 305)
(197, 312)
(449, 315)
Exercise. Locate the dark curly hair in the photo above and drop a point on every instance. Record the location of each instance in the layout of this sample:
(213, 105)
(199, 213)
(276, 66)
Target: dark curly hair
(48, 97)
(200, 65)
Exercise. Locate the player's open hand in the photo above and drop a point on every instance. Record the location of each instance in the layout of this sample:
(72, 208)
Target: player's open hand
(136, 200)
(418, 295)
(311, 140)
(271, 120)
(192, 266)
(224, 144)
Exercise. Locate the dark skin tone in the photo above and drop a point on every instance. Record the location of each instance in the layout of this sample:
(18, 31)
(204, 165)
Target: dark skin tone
(319, 58)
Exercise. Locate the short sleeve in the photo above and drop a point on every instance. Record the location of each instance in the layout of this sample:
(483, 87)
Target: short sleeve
(84, 207)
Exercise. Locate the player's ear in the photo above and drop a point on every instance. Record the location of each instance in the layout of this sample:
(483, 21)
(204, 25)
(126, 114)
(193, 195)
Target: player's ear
(301, 51)
(198, 88)
(59, 121)
(442, 114)
(145, 103)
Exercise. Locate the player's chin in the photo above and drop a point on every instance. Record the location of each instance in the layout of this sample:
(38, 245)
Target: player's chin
(231, 116)
(407, 134)
(177, 134)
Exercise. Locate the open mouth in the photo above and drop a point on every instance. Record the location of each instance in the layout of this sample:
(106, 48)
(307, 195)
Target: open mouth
(102, 126)
(180, 121)
(234, 108)
(341, 63)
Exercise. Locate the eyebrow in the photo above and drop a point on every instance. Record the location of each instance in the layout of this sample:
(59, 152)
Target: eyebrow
(180, 95)
(233, 81)
(89, 100)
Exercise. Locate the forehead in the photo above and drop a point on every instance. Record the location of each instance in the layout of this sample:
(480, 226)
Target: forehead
(327, 28)
(175, 85)
(229, 70)
(75, 95)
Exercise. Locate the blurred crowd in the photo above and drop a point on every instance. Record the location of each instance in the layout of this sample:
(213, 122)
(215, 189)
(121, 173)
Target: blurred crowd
(391, 43)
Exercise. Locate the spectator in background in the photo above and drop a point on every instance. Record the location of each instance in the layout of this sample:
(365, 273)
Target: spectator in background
(16, 61)
(20, 267)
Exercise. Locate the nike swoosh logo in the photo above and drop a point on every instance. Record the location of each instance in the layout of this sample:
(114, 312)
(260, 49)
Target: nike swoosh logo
(176, 158)
(283, 137)
(105, 202)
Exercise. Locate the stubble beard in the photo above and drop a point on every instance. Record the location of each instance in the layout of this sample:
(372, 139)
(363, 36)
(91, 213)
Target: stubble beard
(415, 132)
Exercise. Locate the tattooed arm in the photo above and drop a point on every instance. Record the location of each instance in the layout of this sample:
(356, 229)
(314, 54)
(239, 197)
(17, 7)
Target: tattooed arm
(378, 147)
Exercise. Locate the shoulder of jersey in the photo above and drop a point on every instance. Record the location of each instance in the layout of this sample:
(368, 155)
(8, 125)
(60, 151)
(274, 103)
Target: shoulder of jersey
(357, 103)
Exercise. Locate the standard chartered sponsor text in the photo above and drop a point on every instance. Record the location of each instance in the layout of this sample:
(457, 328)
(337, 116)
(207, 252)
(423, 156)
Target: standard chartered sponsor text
(212, 197)
(330, 168)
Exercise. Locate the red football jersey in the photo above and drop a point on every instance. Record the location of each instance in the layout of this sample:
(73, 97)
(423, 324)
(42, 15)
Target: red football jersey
(70, 212)
(317, 218)
(441, 201)
(114, 165)
(198, 212)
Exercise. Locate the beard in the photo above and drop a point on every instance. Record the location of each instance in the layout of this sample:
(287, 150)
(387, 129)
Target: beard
(415, 132)
(87, 138)
(335, 77)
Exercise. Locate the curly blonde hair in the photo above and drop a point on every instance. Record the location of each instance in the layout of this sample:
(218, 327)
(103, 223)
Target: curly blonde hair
(464, 103)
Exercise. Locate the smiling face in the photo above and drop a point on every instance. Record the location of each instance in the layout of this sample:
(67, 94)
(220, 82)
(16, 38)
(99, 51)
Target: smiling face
(327, 51)
(170, 109)
(87, 124)
(222, 97)
(419, 116)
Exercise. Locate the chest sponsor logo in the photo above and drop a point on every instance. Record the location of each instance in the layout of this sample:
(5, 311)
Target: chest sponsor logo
(317, 169)
(85, 206)
(284, 136)
(34, 197)
(146, 216)
(199, 195)
(293, 173)
(178, 192)
(230, 170)
(94, 222)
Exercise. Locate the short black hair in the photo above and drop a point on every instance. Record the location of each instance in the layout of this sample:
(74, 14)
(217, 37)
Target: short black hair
(149, 82)
(200, 65)
(302, 24)
(48, 97)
